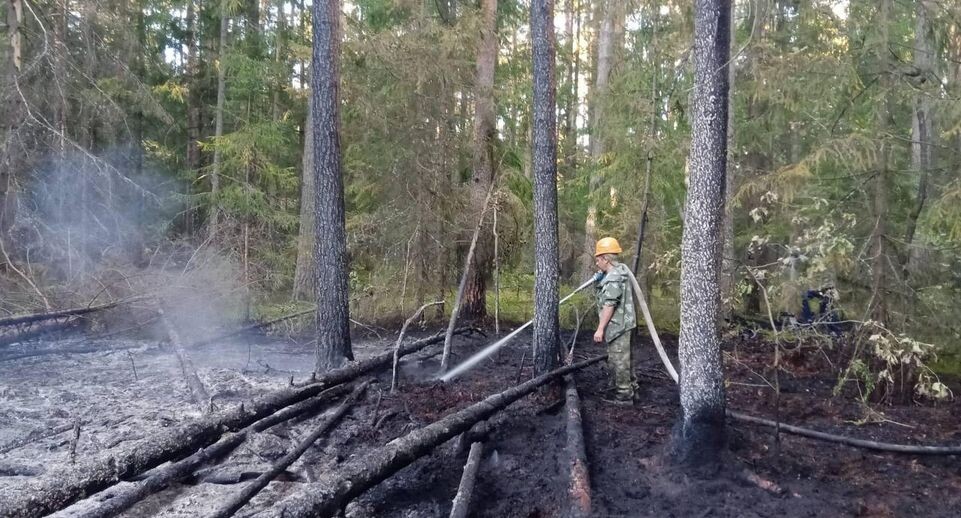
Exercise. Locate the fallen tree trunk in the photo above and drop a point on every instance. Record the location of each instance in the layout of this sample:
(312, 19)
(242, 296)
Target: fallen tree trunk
(197, 389)
(48, 315)
(24, 332)
(327, 496)
(54, 492)
(849, 441)
(249, 491)
(67, 350)
(580, 488)
(120, 498)
(252, 327)
(33, 436)
(466, 488)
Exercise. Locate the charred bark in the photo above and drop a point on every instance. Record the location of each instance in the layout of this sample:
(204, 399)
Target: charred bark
(336, 488)
(117, 499)
(330, 245)
(546, 267)
(580, 484)
(699, 435)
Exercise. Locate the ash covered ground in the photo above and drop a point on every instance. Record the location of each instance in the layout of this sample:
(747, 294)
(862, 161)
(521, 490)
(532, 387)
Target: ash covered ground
(120, 395)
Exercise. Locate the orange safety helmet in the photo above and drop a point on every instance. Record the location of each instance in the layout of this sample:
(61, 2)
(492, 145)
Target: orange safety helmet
(607, 245)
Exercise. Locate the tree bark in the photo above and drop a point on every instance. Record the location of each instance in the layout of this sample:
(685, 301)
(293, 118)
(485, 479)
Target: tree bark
(699, 435)
(56, 491)
(327, 496)
(546, 266)
(304, 274)
(330, 245)
(728, 264)
(485, 135)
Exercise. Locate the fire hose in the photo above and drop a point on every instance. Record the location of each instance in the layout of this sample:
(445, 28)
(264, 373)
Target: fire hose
(796, 430)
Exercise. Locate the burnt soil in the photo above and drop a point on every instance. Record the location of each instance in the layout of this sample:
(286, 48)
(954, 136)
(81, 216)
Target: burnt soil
(524, 471)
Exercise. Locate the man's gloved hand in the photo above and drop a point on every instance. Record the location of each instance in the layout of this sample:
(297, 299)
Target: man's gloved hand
(598, 276)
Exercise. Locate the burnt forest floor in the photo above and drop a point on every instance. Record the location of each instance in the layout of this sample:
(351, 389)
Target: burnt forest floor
(124, 395)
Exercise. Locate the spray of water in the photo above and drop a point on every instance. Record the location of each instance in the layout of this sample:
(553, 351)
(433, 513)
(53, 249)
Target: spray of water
(492, 348)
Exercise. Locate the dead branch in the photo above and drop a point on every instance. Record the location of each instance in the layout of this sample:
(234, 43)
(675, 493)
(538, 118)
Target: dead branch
(849, 441)
(48, 315)
(445, 359)
(580, 488)
(117, 499)
(33, 436)
(336, 488)
(466, 488)
(24, 332)
(249, 491)
(393, 374)
(197, 389)
(52, 493)
(68, 350)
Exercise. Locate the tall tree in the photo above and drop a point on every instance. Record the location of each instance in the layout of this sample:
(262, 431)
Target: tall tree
(330, 242)
(219, 122)
(922, 128)
(880, 49)
(475, 292)
(699, 435)
(611, 20)
(12, 115)
(303, 271)
(194, 94)
(546, 267)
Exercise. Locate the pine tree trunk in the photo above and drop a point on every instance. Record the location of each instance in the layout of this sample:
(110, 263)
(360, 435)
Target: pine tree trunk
(12, 117)
(922, 132)
(213, 223)
(330, 248)
(303, 272)
(193, 92)
(546, 268)
(605, 59)
(475, 292)
(879, 250)
(699, 435)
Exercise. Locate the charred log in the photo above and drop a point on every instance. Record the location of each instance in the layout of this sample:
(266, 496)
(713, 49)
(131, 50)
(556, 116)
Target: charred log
(117, 499)
(580, 488)
(335, 489)
(239, 500)
(55, 492)
(466, 488)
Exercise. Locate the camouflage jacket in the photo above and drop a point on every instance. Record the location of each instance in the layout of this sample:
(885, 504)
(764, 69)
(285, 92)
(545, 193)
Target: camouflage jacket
(614, 289)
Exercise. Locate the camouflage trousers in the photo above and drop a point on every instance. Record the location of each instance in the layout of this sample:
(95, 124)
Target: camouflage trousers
(621, 365)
